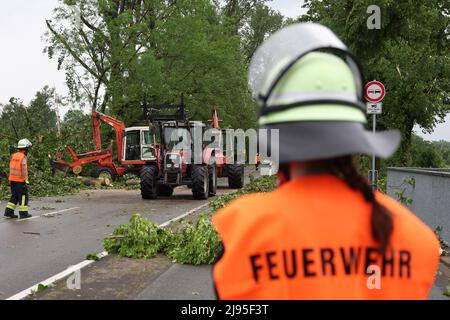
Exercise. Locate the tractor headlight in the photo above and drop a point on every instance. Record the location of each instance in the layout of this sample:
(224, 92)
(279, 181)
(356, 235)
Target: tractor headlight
(172, 161)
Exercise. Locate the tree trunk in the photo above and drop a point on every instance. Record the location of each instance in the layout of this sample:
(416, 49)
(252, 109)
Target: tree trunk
(406, 146)
(96, 182)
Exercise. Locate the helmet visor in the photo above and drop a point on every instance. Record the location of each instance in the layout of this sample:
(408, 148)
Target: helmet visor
(278, 53)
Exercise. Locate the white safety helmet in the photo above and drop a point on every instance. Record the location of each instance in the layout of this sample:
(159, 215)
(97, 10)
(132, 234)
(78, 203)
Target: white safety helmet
(24, 143)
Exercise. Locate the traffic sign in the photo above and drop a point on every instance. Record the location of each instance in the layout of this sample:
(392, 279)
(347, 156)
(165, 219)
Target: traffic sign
(374, 91)
(374, 108)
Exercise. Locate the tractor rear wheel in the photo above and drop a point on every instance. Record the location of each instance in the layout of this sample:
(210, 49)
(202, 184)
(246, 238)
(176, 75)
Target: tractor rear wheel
(165, 190)
(212, 180)
(105, 172)
(235, 176)
(200, 182)
(148, 175)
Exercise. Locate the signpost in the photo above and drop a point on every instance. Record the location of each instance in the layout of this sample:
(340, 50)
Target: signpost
(374, 92)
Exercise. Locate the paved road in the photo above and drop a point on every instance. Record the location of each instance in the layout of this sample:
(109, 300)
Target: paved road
(65, 238)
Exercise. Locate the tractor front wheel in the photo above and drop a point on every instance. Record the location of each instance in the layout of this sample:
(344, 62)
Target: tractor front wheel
(148, 175)
(200, 182)
(235, 176)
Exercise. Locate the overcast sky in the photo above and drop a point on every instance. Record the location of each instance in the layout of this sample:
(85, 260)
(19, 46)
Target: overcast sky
(24, 69)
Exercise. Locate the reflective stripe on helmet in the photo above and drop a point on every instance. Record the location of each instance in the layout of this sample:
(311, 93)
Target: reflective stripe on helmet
(323, 112)
(283, 98)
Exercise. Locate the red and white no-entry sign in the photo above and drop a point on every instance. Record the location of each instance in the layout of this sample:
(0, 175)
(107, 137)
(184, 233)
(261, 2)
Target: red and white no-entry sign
(374, 91)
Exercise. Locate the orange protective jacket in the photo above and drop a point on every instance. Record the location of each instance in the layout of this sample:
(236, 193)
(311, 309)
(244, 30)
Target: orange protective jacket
(18, 169)
(310, 239)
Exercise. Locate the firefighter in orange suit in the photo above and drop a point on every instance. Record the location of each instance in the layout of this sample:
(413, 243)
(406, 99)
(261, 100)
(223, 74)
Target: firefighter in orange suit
(257, 161)
(18, 178)
(323, 233)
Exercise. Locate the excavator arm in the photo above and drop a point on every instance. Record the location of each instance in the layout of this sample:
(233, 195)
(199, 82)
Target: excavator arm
(117, 125)
(215, 119)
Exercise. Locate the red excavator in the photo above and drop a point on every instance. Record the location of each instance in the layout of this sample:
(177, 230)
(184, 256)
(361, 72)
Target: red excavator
(135, 147)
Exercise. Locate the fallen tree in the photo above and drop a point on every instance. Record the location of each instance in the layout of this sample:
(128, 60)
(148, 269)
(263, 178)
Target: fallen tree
(96, 182)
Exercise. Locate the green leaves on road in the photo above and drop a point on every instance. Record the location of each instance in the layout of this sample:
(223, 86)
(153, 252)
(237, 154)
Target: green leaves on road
(194, 242)
(197, 243)
(263, 184)
(139, 239)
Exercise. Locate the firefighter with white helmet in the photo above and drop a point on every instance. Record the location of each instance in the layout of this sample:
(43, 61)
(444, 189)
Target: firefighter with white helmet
(18, 178)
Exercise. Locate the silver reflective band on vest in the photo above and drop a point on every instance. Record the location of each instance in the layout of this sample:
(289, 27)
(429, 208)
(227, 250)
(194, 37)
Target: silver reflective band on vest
(286, 98)
(16, 175)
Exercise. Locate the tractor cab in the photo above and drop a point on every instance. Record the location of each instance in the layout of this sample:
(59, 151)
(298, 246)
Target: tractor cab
(175, 135)
(180, 135)
(139, 144)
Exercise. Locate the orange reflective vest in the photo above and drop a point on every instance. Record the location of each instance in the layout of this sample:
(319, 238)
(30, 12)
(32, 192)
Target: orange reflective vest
(18, 170)
(310, 239)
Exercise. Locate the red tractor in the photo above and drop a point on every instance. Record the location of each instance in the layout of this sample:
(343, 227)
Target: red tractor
(185, 159)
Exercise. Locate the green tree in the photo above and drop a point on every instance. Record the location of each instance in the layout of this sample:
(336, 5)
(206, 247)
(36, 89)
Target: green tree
(409, 54)
(40, 112)
(76, 131)
(19, 121)
(15, 122)
(443, 148)
(425, 154)
(261, 22)
(236, 12)
(119, 51)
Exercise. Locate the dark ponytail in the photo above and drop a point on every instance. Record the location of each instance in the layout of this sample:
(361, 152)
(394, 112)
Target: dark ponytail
(381, 219)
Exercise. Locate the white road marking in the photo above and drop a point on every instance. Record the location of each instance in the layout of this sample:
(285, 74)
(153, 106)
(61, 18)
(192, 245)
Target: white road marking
(42, 215)
(49, 281)
(183, 215)
(25, 293)
(57, 212)
(20, 220)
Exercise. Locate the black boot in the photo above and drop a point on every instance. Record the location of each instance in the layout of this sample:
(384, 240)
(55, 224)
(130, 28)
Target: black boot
(9, 213)
(25, 215)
